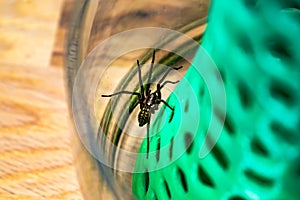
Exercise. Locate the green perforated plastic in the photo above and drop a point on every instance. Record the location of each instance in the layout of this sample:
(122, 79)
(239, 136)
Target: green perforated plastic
(255, 45)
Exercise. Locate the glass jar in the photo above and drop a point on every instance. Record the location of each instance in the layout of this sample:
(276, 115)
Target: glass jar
(104, 41)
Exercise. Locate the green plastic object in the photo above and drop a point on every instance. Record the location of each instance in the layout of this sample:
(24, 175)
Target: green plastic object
(256, 48)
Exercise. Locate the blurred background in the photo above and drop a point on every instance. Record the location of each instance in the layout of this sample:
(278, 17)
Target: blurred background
(36, 159)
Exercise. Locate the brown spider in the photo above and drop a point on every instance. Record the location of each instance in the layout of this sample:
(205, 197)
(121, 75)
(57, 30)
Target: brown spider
(147, 99)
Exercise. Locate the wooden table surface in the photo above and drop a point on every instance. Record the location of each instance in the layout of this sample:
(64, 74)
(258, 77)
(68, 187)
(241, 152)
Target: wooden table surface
(36, 160)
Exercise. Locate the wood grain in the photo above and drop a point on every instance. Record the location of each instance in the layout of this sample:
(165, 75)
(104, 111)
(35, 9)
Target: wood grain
(58, 53)
(36, 159)
(27, 30)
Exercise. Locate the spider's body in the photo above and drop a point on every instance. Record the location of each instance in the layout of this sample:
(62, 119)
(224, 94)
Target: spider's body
(144, 115)
(148, 100)
(148, 107)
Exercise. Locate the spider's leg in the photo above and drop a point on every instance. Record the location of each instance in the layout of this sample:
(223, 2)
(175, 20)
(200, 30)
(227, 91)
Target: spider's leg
(161, 100)
(159, 86)
(140, 79)
(166, 82)
(121, 92)
(148, 142)
(171, 117)
(167, 72)
(158, 97)
(148, 138)
(150, 72)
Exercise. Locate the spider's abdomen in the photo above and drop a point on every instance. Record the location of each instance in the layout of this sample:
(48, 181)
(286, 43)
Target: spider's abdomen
(144, 115)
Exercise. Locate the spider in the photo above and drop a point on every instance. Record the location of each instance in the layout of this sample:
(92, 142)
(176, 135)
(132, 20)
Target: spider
(147, 99)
